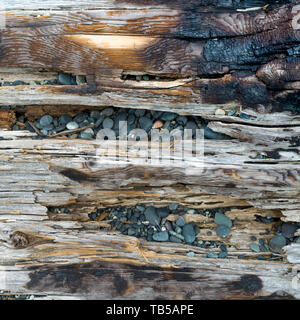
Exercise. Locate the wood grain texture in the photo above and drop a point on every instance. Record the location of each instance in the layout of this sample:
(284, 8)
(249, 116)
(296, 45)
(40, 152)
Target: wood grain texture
(205, 58)
(201, 55)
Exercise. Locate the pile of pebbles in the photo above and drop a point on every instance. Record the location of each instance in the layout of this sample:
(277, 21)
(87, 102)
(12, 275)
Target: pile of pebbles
(151, 223)
(109, 118)
(284, 235)
(62, 79)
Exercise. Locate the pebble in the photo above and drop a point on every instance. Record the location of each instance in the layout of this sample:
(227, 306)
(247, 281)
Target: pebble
(232, 112)
(81, 117)
(87, 133)
(157, 124)
(131, 231)
(254, 247)
(140, 112)
(175, 239)
(145, 123)
(46, 120)
(223, 231)
(161, 236)
(177, 235)
(72, 125)
(253, 238)
(221, 218)
(163, 212)
(277, 243)
(191, 125)
(212, 255)
(178, 230)
(65, 118)
(173, 206)
(131, 119)
(182, 120)
(191, 254)
(244, 116)
(108, 123)
(168, 116)
(107, 112)
(95, 114)
(220, 112)
(210, 134)
(180, 222)
(288, 230)
(140, 208)
(189, 233)
(191, 211)
(99, 121)
(65, 79)
(222, 255)
(151, 216)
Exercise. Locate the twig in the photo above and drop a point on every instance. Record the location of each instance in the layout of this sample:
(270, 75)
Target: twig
(35, 129)
(71, 131)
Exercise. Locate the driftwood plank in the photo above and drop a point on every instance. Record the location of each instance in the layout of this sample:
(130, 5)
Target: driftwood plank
(191, 58)
(203, 60)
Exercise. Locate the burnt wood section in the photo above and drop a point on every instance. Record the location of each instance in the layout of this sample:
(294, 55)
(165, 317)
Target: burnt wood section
(191, 58)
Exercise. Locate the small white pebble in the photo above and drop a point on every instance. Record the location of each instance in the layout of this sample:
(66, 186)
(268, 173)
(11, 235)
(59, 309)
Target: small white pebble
(220, 112)
(163, 229)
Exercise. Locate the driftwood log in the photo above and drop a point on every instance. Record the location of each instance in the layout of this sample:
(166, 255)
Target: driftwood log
(199, 56)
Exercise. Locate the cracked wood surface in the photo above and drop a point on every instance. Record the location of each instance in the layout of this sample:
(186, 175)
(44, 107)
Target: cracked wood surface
(208, 55)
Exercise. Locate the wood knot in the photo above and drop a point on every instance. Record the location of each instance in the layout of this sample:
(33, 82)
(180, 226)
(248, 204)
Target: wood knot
(19, 239)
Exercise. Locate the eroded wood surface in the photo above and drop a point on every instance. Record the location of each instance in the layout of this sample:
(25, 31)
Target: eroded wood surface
(207, 55)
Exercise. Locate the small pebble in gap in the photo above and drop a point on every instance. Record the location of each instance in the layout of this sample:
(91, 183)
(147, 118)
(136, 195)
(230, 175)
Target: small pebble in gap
(220, 218)
(151, 216)
(65, 118)
(161, 236)
(46, 120)
(288, 230)
(95, 114)
(182, 120)
(81, 117)
(107, 112)
(163, 212)
(87, 133)
(232, 112)
(173, 206)
(72, 125)
(157, 124)
(189, 233)
(254, 247)
(175, 239)
(212, 255)
(244, 116)
(108, 123)
(177, 235)
(140, 112)
(168, 116)
(220, 112)
(191, 254)
(145, 123)
(253, 238)
(277, 243)
(222, 255)
(180, 222)
(65, 78)
(222, 231)
(18, 83)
